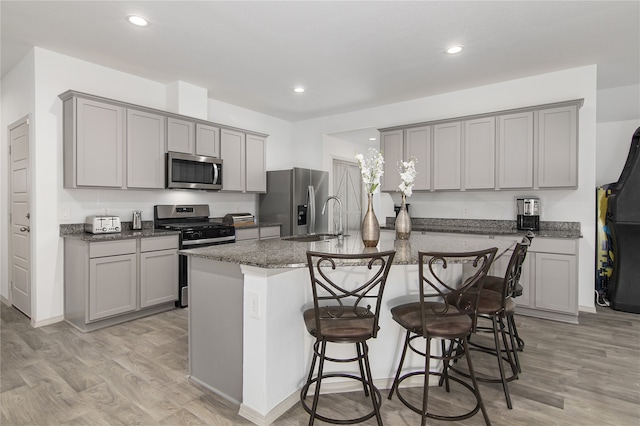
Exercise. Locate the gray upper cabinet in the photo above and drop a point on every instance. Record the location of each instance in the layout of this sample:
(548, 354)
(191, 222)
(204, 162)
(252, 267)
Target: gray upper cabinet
(515, 150)
(447, 153)
(243, 156)
(232, 152)
(113, 144)
(181, 135)
(145, 149)
(558, 147)
(479, 153)
(392, 147)
(526, 148)
(402, 145)
(207, 140)
(256, 170)
(418, 146)
(93, 143)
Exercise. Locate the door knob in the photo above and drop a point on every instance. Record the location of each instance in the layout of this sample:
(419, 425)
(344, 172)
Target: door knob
(25, 228)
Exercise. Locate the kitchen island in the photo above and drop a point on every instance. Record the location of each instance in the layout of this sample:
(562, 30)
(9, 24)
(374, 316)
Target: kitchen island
(247, 340)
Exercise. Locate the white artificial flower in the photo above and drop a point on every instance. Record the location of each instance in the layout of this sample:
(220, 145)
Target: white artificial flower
(407, 170)
(371, 169)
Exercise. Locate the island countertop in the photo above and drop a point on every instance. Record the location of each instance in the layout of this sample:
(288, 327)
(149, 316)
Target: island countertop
(277, 253)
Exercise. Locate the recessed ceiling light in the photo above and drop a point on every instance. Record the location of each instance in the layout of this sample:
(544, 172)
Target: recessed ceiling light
(299, 90)
(454, 49)
(137, 20)
(372, 139)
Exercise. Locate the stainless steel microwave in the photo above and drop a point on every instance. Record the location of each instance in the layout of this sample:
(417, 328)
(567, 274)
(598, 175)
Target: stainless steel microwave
(187, 171)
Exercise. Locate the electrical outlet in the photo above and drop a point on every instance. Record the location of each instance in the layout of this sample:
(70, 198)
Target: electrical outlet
(65, 213)
(253, 304)
(465, 211)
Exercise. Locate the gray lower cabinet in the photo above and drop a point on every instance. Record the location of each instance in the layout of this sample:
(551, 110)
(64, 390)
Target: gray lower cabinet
(109, 282)
(549, 279)
(158, 271)
(243, 234)
(267, 232)
(255, 233)
(112, 286)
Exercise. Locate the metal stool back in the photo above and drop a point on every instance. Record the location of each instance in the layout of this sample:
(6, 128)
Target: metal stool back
(346, 309)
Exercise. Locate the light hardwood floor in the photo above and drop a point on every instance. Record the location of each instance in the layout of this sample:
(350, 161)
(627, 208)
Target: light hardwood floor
(135, 373)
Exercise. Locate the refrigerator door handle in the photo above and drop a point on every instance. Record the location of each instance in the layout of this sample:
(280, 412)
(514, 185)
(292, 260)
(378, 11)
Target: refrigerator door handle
(311, 202)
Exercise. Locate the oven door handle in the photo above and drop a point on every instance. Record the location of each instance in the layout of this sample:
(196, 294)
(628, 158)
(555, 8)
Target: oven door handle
(211, 241)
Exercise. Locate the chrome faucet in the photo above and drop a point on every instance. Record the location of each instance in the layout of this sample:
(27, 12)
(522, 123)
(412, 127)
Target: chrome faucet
(324, 209)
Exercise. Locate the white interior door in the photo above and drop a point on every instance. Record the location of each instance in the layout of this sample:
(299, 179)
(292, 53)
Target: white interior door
(20, 214)
(347, 186)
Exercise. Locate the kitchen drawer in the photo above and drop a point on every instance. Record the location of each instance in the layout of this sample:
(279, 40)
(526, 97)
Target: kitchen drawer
(159, 243)
(112, 248)
(247, 234)
(270, 232)
(553, 245)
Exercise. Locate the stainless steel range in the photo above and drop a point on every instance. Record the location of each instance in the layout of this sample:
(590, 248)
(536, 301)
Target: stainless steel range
(196, 230)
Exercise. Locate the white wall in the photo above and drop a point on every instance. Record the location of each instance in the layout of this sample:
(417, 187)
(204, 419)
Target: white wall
(17, 100)
(43, 75)
(614, 141)
(561, 205)
(52, 74)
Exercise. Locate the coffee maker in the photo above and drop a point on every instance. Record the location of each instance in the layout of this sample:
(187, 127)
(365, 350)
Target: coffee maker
(528, 214)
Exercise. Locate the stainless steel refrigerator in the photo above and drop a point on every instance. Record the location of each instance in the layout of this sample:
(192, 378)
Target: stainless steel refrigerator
(294, 198)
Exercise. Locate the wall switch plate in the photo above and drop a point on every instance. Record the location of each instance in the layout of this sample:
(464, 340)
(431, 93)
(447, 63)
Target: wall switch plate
(253, 304)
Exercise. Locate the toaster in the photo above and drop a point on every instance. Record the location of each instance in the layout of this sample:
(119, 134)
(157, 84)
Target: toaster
(102, 224)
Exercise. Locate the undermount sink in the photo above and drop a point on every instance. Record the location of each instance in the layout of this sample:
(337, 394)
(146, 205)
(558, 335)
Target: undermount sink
(308, 238)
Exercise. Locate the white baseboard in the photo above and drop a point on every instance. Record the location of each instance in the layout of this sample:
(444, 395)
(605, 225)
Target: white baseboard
(48, 321)
(590, 309)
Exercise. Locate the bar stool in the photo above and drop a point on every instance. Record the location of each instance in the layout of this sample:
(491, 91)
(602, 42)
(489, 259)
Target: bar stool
(496, 283)
(446, 311)
(346, 309)
(497, 307)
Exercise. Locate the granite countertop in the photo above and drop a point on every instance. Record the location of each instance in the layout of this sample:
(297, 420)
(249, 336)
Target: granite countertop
(76, 231)
(277, 253)
(489, 227)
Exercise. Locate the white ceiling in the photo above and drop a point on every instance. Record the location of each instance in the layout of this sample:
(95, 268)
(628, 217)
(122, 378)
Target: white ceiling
(349, 54)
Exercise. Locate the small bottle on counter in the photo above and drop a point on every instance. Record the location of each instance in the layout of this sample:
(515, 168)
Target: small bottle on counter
(136, 222)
